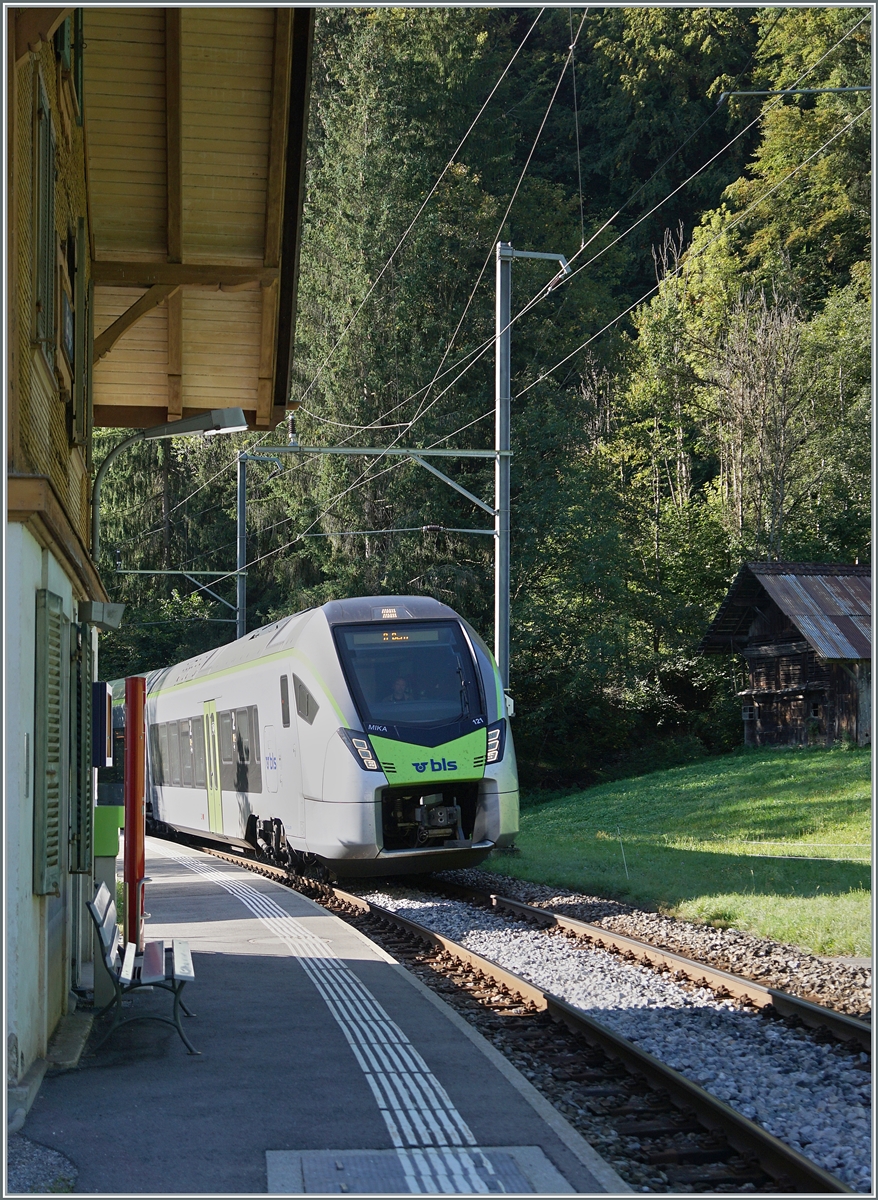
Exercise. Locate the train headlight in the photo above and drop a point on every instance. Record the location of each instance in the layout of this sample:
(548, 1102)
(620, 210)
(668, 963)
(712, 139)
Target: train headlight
(361, 748)
(496, 741)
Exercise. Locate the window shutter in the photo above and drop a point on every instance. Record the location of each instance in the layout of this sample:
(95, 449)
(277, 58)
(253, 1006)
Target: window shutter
(62, 43)
(45, 265)
(89, 369)
(52, 661)
(82, 776)
(80, 318)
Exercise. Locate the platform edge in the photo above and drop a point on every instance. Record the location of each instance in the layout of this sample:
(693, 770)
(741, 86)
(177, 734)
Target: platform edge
(598, 1167)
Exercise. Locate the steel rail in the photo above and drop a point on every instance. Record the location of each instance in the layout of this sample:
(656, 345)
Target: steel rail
(816, 1016)
(780, 1161)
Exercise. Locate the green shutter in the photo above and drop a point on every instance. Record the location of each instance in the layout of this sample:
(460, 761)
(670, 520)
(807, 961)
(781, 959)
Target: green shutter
(62, 43)
(50, 727)
(45, 241)
(82, 775)
(89, 370)
(80, 335)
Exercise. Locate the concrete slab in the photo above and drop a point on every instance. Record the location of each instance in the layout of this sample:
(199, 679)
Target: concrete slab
(311, 1039)
(515, 1170)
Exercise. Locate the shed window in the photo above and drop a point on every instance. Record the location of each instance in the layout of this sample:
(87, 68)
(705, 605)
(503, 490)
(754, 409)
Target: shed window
(748, 712)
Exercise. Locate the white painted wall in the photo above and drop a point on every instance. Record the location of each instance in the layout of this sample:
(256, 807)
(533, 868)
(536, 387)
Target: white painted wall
(29, 1024)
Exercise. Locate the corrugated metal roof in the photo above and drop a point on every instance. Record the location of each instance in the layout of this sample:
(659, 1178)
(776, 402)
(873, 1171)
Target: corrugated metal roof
(830, 604)
(832, 611)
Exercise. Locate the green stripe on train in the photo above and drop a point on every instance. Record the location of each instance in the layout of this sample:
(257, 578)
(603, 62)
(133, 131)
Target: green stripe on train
(403, 763)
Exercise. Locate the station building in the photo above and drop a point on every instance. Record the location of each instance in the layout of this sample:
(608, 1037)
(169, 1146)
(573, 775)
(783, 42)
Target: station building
(155, 180)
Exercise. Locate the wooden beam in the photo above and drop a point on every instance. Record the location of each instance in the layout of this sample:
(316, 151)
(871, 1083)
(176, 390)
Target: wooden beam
(280, 103)
(175, 356)
(156, 295)
(294, 193)
(265, 389)
(174, 118)
(145, 274)
(35, 25)
(32, 501)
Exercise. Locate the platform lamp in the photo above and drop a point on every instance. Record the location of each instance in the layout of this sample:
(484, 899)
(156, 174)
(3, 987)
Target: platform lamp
(207, 424)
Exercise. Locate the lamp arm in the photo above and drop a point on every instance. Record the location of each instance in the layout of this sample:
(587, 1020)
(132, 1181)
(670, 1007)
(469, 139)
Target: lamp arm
(96, 491)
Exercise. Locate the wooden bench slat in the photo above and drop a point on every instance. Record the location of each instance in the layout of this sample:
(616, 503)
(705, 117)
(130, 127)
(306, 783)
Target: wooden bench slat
(127, 972)
(153, 968)
(183, 968)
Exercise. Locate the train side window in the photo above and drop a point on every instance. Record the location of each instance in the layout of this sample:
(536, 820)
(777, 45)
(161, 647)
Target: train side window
(155, 758)
(285, 701)
(225, 732)
(174, 753)
(164, 769)
(254, 732)
(186, 753)
(198, 748)
(306, 706)
(242, 734)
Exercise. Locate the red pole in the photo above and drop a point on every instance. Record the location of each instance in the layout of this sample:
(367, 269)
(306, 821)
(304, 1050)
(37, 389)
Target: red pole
(134, 862)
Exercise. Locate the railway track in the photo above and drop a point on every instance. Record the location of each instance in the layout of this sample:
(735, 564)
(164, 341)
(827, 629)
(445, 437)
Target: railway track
(616, 1093)
(815, 1016)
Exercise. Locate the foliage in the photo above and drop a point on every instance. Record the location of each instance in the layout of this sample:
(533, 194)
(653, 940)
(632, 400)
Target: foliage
(724, 419)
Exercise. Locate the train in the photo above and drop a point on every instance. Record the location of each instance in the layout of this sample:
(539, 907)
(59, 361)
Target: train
(366, 737)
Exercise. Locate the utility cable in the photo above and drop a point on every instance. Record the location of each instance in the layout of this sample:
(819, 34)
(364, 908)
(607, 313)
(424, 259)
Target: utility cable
(505, 216)
(542, 293)
(576, 125)
(424, 204)
(697, 253)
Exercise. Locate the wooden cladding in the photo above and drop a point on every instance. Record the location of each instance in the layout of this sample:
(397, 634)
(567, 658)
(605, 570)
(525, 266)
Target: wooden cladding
(188, 115)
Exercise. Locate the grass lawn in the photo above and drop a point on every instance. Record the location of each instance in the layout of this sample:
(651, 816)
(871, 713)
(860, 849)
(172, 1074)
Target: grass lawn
(774, 841)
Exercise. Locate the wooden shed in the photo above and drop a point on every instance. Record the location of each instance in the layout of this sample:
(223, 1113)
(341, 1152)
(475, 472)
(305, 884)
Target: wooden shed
(804, 631)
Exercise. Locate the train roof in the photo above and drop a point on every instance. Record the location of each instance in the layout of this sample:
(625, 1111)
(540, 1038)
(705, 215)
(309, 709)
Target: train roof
(275, 637)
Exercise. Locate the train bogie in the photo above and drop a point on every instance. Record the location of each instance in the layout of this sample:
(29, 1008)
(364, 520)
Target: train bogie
(368, 734)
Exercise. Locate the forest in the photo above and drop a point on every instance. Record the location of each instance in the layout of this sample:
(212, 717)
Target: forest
(694, 395)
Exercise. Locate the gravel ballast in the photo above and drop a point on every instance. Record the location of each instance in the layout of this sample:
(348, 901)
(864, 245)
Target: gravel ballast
(31, 1168)
(835, 983)
(812, 1093)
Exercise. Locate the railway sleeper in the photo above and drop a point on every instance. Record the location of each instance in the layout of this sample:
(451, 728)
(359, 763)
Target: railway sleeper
(547, 1041)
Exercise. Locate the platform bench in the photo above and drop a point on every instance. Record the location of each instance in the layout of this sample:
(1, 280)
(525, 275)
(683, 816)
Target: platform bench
(158, 967)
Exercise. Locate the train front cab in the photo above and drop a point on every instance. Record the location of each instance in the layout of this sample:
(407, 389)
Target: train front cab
(431, 763)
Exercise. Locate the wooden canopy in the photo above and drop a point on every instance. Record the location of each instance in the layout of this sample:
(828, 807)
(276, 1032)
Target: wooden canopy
(195, 126)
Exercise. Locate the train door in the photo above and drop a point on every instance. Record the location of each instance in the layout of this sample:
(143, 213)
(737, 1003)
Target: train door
(214, 781)
(290, 768)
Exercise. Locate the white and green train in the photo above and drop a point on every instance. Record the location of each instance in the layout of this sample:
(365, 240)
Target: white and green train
(367, 737)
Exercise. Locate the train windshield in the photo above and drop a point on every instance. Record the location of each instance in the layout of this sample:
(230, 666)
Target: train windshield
(412, 673)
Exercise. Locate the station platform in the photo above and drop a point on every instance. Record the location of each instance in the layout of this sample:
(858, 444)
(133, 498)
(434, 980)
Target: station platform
(324, 1068)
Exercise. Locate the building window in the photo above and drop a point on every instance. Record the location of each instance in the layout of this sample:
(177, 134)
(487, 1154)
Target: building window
(748, 712)
(815, 709)
(44, 324)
